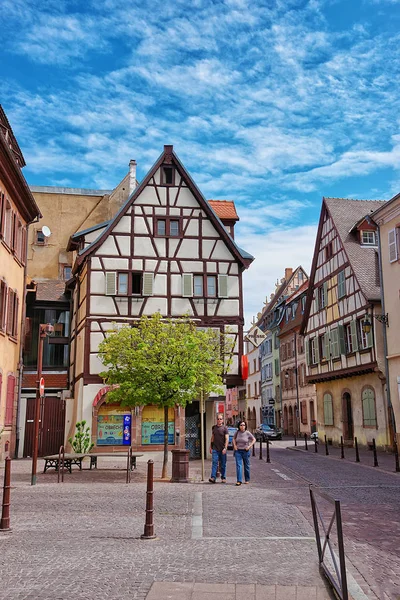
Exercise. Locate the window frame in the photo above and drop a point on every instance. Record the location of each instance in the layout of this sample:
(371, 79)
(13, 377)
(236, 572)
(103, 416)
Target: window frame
(167, 220)
(118, 286)
(163, 179)
(368, 232)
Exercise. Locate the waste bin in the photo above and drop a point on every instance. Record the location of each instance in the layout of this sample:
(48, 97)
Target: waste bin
(180, 466)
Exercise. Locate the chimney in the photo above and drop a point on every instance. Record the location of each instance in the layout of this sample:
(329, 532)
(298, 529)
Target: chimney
(288, 273)
(132, 175)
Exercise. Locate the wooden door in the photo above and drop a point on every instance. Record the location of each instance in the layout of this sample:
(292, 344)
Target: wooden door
(51, 426)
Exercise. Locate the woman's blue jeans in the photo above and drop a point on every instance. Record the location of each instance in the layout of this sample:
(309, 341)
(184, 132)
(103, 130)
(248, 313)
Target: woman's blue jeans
(242, 457)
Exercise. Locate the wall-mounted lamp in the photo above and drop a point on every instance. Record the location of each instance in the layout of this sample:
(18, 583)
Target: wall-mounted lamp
(367, 324)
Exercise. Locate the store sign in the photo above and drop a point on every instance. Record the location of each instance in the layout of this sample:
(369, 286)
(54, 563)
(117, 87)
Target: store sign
(153, 433)
(113, 430)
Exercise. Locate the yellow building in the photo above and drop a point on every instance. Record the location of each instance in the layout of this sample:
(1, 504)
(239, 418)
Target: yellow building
(17, 210)
(388, 219)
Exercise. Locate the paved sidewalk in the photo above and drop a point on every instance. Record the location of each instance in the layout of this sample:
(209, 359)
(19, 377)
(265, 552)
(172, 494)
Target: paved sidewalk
(81, 540)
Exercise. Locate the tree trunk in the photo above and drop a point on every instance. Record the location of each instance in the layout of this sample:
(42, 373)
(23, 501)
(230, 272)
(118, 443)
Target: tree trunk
(165, 461)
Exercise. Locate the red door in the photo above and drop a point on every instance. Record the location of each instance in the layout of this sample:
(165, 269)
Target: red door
(51, 426)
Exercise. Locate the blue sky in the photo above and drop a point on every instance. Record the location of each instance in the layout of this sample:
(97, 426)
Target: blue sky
(271, 103)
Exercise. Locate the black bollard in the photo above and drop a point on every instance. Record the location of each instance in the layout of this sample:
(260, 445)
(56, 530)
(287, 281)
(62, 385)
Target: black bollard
(326, 447)
(295, 440)
(316, 446)
(254, 449)
(268, 458)
(396, 456)
(374, 451)
(61, 459)
(149, 525)
(356, 447)
(128, 465)
(341, 447)
(5, 512)
(260, 457)
(305, 442)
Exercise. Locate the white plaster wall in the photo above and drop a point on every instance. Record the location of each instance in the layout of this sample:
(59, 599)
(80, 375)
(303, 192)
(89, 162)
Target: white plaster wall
(124, 243)
(176, 285)
(234, 269)
(102, 305)
(160, 245)
(175, 212)
(150, 265)
(95, 263)
(97, 282)
(123, 226)
(233, 286)
(107, 247)
(115, 264)
(122, 305)
(221, 252)
(191, 266)
(189, 249)
(93, 235)
(234, 366)
(136, 306)
(95, 340)
(211, 267)
(87, 395)
(208, 245)
(181, 306)
(193, 227)
(187, 199)
(137, 264)
(228, 308)
(96, 366)
(139, 225)
(147, 196)
(223, 268)
(154, 305)
(174, 267)
(160, 285)
(94, 326)
(162, 192)
(209, 230)
(144, 247)
(163, 267)
(172, 247)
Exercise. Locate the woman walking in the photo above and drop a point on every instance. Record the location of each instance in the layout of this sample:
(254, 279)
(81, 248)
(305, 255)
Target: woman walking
(242, 441)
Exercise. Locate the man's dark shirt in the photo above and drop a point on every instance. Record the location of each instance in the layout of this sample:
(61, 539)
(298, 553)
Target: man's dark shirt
(219, 432)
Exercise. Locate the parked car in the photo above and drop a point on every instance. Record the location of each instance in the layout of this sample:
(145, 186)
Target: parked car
(231, 431)
(314, 436)
(265, 431)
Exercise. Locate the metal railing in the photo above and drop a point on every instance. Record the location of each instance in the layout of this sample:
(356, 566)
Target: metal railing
(336, 576)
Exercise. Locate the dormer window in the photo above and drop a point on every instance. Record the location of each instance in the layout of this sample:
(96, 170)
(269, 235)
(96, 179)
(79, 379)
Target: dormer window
(167, 175)
(368, 238)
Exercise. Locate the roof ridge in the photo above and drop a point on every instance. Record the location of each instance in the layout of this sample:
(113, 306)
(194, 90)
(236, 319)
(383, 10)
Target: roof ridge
(354, 199)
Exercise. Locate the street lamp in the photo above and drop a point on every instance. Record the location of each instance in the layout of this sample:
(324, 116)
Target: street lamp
(44, 330)
(367, 325)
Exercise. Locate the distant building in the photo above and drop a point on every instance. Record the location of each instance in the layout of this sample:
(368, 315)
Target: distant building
(345, 357)
(18, 210)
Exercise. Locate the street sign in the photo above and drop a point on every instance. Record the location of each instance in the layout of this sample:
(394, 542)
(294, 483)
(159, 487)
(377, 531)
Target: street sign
(41, 387)
(256, 336)
(271, 401)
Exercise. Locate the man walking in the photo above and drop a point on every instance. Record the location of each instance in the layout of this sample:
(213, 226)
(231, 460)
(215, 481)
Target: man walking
(218, 448)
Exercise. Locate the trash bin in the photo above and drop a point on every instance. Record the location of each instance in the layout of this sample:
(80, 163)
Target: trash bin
(180, 466)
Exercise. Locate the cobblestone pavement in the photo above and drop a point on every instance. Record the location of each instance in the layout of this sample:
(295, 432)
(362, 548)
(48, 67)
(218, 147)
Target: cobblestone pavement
(81, 539)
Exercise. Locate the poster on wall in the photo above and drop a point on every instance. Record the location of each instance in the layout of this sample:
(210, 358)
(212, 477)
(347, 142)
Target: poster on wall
(114, 429)
(153, 425)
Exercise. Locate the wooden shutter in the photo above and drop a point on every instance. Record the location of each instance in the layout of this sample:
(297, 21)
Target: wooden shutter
(342, 342)
(353, 334)
(3, 304)
(10, 311)
(316, 298)
(222, 286)
(148, 279)
(9, 400)
(325, 286)
(15, 322)
(327, 346)
(316, 346)
(393, 255)
(187, 285)
(111, 284)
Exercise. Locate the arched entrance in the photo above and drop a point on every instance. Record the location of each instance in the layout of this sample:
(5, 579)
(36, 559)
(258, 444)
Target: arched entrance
(348, 427)
(290, 421)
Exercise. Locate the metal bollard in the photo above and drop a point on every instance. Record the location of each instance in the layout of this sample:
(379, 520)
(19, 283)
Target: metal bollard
(254, 449)
(341, 447)
(305, 442)
(5, 513)
(316, 446)
(149, 525)
(396, 456)
(374, 451)
(61, 459)
(326, 447)
(295, 439)
(128, 465)
(356, 447)
(260, 457)
(268, 458)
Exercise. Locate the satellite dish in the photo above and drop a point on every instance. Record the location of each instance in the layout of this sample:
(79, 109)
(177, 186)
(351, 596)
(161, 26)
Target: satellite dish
(46, 231)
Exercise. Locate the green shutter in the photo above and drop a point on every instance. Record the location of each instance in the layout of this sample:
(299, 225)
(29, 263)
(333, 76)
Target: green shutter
(222, 286)
(187, 285)
(334, 343)
(316, 293)
(316, 350)
(111, 284)
(148, 284)
(326, 293)
(342, 343)
(353, 334)
(308, 352)
(327, 348)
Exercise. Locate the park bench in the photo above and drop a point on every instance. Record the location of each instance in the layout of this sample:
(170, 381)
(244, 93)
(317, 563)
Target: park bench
(69, 460)
(94, 456)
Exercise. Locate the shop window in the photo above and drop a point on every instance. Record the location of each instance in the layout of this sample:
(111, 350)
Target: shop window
(113, 425)
(153, 425)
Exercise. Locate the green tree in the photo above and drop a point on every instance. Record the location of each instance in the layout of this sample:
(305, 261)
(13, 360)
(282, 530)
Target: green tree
(164, 362)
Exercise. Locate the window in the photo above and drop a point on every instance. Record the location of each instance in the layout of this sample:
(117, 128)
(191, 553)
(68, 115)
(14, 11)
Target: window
(67, 273)
(248, 391)
(393, 236)
(254, 365)
(313, 349)
(324, 347)
(334, 337)
(122, 284)
(198, 285)
(2, 216)
(40, 238)
(3, 304)
(174, 228)
(328, 409)
(368, 238)
(211, 286)
(12, 314)
(303, 303)
(294, 306)
(323, 295)
(351, 337)
(341, 284)
(136, 284)
(167, 227)
(368, 406)
(328, 251)
(167, 175)
(161, 227)
(303, 410)
(364, 338)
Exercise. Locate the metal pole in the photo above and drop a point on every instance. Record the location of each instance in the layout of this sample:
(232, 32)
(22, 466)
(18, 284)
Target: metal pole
(61, 459)
(202, 433)
(297, 386)
(326, 447)
(268, 458)
(149, 525)
(316, 446)
(341, 447)
(305, 441)
(5, 513)
(375, 455)
(396, 456)
(295, 439)
(260, 448)
(356, 447)
(342, 560)
(254, 449)
(35, 449)
(128, 465)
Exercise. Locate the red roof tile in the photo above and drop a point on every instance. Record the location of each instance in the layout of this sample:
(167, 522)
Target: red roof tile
(225, 209)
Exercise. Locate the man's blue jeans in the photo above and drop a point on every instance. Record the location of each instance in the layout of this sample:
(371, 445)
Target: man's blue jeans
(218, 456)
(242, 457)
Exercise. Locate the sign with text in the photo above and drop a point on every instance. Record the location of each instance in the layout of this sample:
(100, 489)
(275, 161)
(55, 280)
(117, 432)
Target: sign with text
(113, 430)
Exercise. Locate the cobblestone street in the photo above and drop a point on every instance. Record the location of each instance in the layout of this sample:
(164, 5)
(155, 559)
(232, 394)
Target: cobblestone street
(81, 539)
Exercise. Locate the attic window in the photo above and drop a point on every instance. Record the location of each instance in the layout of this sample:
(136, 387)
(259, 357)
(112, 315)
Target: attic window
(40, 238)
(368, 238)
(167, 175)
(328, 251)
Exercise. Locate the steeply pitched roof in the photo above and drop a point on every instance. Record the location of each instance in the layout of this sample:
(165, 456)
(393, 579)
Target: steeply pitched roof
(225, 209)
(345, 213)
(168, 156)
(51, 290)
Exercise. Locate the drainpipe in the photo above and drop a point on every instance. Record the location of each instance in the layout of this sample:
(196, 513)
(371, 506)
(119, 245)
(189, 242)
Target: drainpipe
(132, 175)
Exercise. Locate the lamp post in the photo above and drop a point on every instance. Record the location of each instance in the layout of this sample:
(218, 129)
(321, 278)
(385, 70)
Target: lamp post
(44, 330)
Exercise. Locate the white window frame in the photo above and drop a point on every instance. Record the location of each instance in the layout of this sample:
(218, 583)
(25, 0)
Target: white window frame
(367, 233)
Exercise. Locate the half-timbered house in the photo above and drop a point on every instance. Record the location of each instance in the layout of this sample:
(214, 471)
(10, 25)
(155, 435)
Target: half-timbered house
(345, 358)
(166, 250)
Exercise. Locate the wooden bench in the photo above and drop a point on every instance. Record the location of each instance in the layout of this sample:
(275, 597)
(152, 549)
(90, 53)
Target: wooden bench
(69, 460)
(93, 457)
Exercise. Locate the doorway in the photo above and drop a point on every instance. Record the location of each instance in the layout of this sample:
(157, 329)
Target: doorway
(51, 426)
(348, 428)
